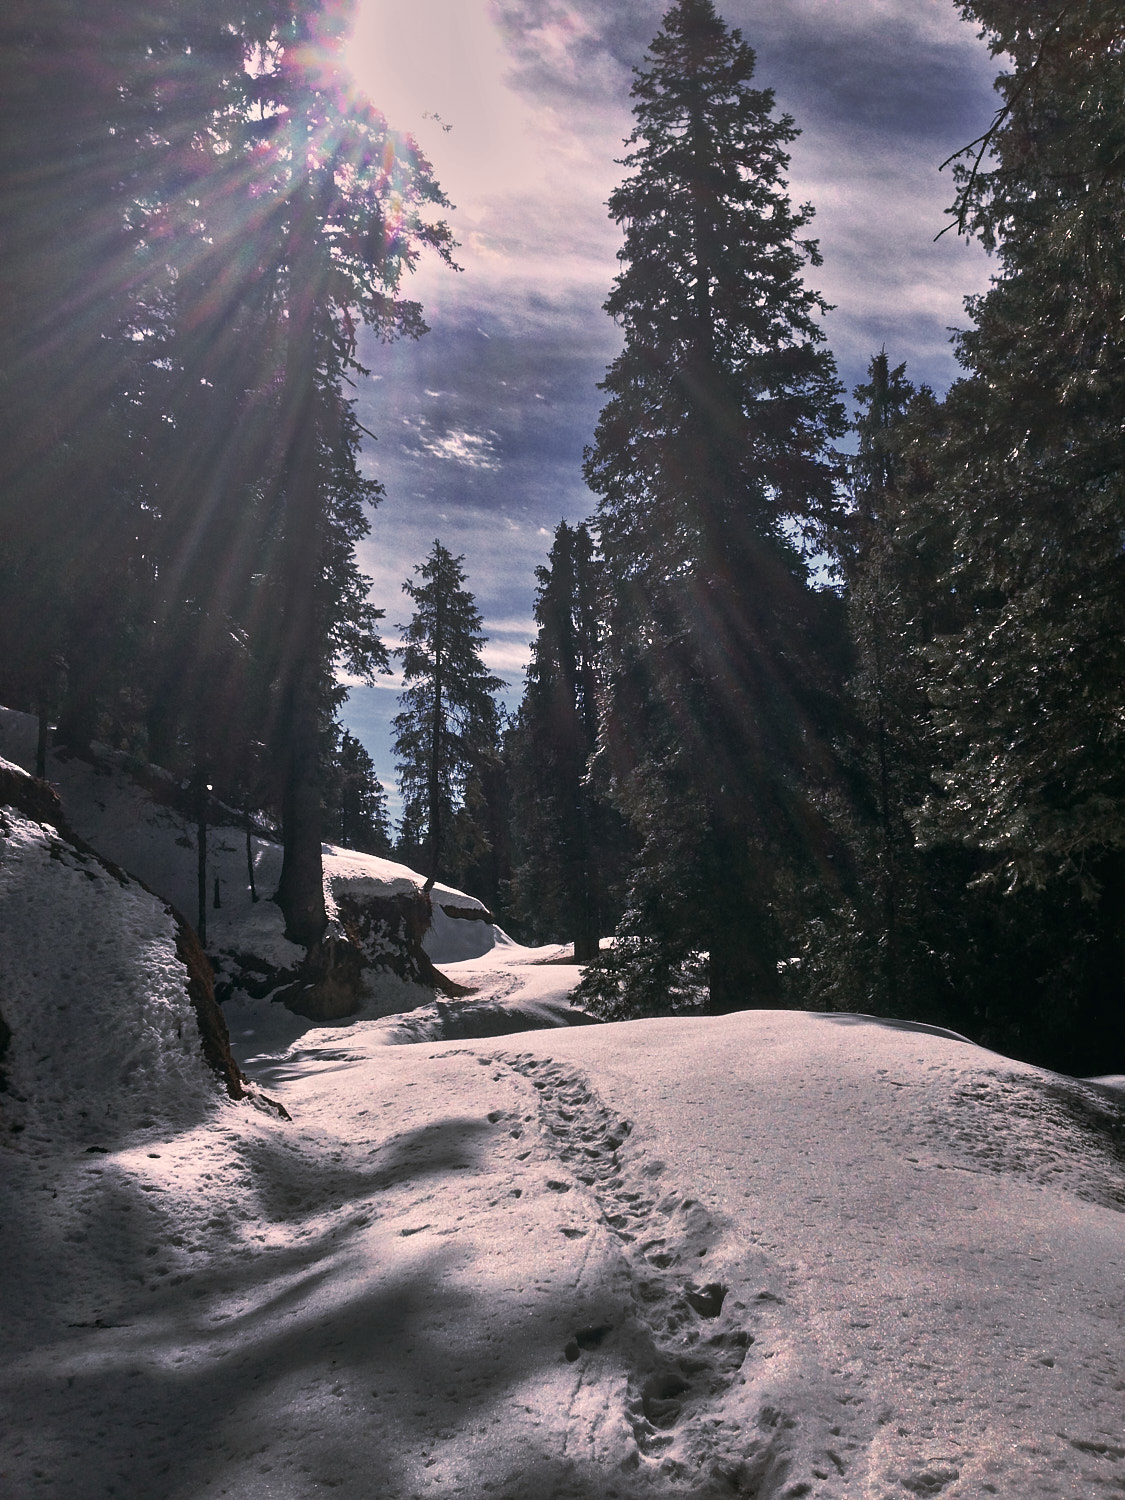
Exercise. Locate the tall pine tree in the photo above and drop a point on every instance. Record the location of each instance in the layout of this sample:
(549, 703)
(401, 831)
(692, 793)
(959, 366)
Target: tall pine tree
(711, 451)
(1034, 473)
(198, 215)
(353, 204)
(563, 826)
(881, 937)
(1030, 479)
(449, 718)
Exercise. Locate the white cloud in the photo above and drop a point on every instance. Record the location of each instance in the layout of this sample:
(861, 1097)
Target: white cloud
(474, 450)
(524, 626)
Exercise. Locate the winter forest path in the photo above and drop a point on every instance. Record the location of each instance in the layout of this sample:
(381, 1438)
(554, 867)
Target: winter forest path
(767, 1255)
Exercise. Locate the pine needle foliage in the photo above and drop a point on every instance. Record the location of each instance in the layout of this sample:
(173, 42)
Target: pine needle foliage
(1029, 698)
(711, 454)
(449, 718)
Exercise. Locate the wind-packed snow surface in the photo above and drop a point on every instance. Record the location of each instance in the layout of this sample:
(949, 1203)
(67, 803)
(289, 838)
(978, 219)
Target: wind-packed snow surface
(771, 1255)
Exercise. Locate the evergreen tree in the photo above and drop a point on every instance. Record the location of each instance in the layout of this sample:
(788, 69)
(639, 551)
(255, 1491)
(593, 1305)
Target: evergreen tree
(110, 118)
(352, 201)
(480, 854)
(449, 719)
(564, 829)
(355, 801)
(883, 940)
(181, 489)
(1034, 472)
(1031, 476)
(887, 686)
(712, 449)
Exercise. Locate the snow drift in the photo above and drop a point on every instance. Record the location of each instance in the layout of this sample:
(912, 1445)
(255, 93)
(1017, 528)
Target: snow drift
(768, 1255)
(771, 1255)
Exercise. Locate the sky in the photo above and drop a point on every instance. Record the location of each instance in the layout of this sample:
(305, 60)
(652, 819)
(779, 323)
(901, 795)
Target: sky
(523, 107)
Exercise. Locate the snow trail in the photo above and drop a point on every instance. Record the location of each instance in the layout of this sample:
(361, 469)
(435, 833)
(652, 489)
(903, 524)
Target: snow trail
(772, 1255)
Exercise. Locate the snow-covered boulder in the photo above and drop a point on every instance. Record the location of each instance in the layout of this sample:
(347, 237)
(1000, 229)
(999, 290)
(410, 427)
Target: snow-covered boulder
(109, 1021)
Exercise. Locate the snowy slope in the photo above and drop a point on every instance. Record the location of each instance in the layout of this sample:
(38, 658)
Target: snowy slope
(769, 1254)
(134, 816)
(94, 993)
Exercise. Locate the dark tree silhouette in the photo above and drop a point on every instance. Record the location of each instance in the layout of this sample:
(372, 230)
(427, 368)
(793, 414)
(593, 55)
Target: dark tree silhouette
(449, 716)
(712, 447)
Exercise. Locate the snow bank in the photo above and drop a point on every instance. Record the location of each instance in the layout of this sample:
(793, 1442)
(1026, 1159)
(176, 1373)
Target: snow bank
(460, 931)
(104, 1035)
(449, 1020)
(139, 817)
(136, 817)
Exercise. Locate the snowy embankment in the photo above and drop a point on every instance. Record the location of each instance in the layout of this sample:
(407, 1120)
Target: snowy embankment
(141, 818)
(769, 1255)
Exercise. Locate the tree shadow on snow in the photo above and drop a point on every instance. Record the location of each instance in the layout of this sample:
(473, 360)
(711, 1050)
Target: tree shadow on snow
(282, 1370)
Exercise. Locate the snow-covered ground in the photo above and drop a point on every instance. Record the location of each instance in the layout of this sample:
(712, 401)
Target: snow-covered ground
(495, 1253)
(769, 1254)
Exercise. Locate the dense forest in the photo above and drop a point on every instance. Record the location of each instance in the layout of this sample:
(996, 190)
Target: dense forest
(821, 713)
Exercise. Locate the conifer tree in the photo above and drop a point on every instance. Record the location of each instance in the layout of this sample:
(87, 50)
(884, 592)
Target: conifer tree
(712, 449)
(181, 491)
(1034, 472)
(881, 940)
(449, 718)
(355, 800)
(1029, 479)
(480, 854)
(562, 824)
(111, 118)
(353, 201)
(886, 685)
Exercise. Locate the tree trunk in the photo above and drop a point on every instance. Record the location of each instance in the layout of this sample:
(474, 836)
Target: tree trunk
(201, 790)
(250, 858)
(41, 743)
(300, 891)
(436, 751)
(742, 969)
(587, 938)
(587, 941)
